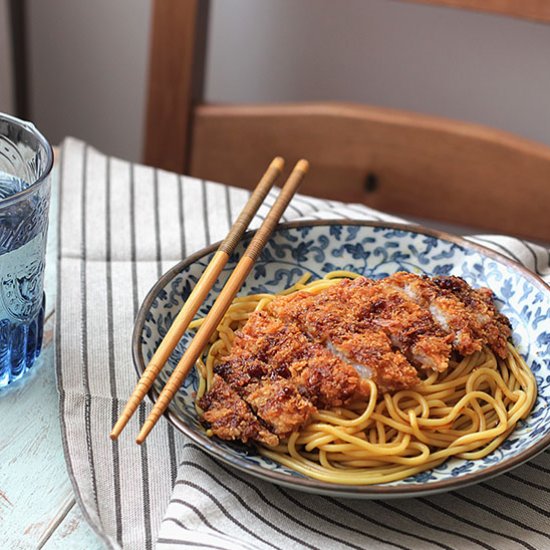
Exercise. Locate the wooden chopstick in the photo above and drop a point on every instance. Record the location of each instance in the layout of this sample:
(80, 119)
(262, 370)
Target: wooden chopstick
(224, 299)
(198, 294)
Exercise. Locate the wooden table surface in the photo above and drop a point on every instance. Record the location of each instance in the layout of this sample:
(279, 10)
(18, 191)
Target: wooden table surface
(37, 504)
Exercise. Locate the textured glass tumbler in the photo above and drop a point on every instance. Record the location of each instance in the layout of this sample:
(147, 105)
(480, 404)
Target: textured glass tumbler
(26, 160)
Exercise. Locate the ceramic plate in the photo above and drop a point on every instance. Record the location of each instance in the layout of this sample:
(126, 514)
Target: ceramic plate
(374, 250)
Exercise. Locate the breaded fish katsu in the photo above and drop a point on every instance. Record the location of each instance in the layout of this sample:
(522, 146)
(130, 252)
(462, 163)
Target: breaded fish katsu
(306, 351)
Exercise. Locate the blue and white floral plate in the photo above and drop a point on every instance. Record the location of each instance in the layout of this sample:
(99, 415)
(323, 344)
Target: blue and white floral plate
(374, 250)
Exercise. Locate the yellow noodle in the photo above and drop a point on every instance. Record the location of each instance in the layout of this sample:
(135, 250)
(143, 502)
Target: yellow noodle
(466, 411)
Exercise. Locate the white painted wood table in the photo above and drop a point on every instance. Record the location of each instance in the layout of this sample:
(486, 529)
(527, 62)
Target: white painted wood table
(37, 505)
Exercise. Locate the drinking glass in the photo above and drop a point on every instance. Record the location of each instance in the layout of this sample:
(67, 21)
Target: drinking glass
(26, 160)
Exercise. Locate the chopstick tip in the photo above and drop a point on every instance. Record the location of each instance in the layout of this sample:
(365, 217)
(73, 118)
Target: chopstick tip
(302, 165)
(118, 427)
(278, 163)
(145, 430)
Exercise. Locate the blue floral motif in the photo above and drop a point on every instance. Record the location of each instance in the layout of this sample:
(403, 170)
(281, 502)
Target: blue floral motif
(444, 269)
(259, 270)
(423, 477)
(352, 232)
(464, 468)
(335, 231)
(375, 252)
(357, 251)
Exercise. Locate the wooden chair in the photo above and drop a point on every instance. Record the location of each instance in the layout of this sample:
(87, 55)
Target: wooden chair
(395, 161)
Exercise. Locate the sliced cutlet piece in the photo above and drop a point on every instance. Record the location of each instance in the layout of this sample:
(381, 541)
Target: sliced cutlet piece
(230, 417)
(365, 306)
(273, 402)
(279, 404)
(410, 327)
(264, 384)
(291, 354)
(327, 376)
(391, 371)
(283, 376)
(449, 313)
(340, 319)
(488, 324)
(329, 380)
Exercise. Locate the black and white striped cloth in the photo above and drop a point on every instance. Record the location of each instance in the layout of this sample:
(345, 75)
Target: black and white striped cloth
(120, 227)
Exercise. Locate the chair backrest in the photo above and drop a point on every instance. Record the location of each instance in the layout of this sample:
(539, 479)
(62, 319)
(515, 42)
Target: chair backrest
(536, 10)
(395, 161)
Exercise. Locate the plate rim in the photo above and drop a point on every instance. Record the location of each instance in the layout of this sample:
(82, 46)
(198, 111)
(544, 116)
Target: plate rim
(308, 484)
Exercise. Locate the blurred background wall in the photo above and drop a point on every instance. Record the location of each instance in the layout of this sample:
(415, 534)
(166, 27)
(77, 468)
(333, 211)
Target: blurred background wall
(7, 104)
(88, 63)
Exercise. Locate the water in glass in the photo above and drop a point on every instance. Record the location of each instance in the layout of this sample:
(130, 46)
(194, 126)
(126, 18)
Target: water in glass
(26, 160)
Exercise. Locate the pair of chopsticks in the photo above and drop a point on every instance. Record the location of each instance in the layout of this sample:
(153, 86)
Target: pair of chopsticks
(201, 290)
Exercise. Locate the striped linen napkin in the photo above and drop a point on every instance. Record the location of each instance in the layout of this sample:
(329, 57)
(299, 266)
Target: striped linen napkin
(121, 226)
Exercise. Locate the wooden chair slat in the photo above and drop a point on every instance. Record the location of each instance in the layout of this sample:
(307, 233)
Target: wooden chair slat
(535, 10)
(394, 161)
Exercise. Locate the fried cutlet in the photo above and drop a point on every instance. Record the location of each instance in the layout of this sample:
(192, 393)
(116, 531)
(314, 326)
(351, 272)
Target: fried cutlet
(308, 351)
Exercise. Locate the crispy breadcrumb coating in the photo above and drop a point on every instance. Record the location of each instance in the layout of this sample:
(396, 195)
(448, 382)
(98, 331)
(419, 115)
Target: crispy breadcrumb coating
(307, 351)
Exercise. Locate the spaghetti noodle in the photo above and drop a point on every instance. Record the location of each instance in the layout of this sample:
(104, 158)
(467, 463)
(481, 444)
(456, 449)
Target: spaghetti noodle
(467, 411)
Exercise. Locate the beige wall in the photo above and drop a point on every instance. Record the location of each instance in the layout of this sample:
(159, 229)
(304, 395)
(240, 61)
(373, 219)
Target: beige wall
(87, 71)
(89, 62)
